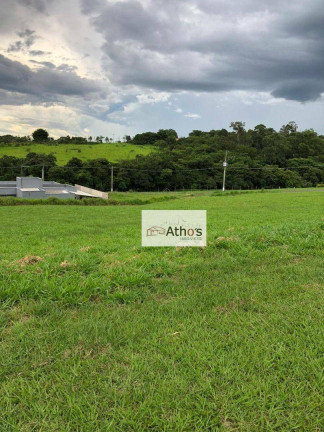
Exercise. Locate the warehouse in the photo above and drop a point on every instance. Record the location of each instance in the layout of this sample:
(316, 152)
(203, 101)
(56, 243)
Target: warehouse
(35, 188)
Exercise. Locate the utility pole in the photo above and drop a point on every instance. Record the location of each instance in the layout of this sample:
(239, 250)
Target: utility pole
(43, 172)
(225, 166)
(112, 179)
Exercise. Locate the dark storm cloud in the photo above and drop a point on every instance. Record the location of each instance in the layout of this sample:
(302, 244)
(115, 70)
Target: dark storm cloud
(44, 83)
(301, 90)
(212, 45)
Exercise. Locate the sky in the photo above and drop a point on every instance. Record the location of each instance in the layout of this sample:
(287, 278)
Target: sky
(121, 67)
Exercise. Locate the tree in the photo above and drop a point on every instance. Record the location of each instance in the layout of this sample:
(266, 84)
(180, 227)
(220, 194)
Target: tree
(239, 128)
(146, 138)
(34, 162)
(40, 135)
(263, 158)
(74, 163)
(164, 134)
(196, 133)
(222, 132)
(259, 133)
(58, 174)
(289, 128)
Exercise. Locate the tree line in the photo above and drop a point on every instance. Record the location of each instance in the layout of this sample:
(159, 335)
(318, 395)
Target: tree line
(257, 158)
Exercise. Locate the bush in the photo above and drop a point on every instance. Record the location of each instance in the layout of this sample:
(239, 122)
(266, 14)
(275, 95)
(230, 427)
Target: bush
(13, 201)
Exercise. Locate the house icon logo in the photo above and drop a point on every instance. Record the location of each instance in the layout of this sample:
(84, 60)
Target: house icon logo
(154, 231)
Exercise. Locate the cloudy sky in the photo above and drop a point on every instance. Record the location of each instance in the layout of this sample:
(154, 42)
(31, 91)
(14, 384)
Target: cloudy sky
(116, 67)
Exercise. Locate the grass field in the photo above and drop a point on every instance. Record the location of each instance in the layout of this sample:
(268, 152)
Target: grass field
(64, 152)
(99, 334)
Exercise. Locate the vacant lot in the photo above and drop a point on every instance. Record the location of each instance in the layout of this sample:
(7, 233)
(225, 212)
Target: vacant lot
(64, 152)
(98, 334)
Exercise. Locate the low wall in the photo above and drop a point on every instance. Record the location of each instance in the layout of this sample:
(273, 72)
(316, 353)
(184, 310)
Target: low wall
(94, 192)
(8, 190)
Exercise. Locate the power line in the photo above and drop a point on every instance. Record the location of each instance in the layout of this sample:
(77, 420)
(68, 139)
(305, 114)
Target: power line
(73, 168)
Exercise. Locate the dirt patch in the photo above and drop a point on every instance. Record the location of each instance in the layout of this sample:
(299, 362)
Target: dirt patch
(30, 260)
(115, 264)
(66, 264)
(315, 286)
(228, 425)
(227, 239)
(85, 249)
(164, 299)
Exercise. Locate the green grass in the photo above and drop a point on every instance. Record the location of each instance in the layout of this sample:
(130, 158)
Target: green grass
(99, 334)
(64, 152)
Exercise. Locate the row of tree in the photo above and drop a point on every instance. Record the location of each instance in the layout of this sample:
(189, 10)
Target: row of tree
(42, 136)
(258, 158)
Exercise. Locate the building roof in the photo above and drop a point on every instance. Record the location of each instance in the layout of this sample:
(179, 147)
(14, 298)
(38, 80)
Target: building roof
(50, 191)
(30, 189)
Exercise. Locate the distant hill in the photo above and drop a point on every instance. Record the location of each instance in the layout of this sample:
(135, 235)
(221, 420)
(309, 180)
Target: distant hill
(64, 152)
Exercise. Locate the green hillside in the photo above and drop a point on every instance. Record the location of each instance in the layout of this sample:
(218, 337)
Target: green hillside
(64, 152)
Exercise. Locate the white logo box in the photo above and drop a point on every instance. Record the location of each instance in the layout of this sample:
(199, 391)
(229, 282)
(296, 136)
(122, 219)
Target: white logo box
(185, 228)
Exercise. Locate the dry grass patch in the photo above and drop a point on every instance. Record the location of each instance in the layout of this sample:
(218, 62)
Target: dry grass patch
(67, 264)
(30, 260)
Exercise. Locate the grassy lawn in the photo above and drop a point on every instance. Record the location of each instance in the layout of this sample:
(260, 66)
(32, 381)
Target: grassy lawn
(99, 334)
(64, 152)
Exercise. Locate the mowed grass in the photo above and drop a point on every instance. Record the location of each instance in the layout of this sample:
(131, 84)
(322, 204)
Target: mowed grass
(114, 152)
(99, 334)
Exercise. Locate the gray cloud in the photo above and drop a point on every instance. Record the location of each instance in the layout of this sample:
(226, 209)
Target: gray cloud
(27, 40)
(199, 50)
(13, 98)
(64, 67)
(47, 64)
(16, 46)
(45, 83)
(212, 45)
(37, 53)
(301, 90)
(38, 5)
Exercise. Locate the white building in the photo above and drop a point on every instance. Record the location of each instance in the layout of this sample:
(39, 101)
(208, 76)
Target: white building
(35, 187)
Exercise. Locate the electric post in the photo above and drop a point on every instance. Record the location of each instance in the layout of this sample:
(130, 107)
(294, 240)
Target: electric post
(43, 172)
(112, 179)
(225, 166)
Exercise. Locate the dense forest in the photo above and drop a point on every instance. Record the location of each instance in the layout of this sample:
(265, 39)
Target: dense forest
(257, 158)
